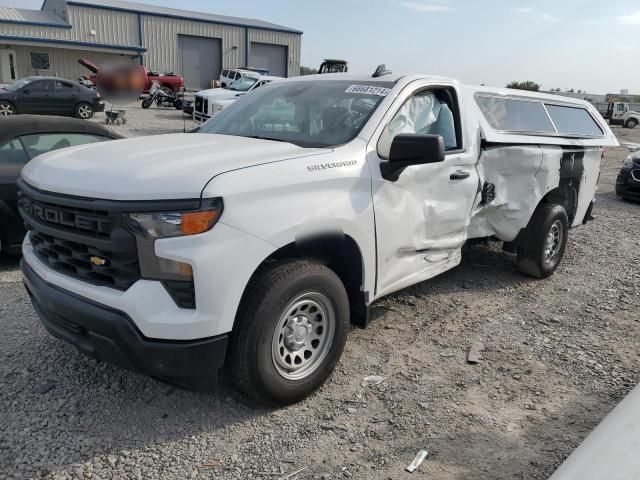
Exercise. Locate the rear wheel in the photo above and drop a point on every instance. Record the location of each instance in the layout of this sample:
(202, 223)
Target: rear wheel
(7, 109)
(84, 111)
(290, 332)
(631, 123)
(545, 239)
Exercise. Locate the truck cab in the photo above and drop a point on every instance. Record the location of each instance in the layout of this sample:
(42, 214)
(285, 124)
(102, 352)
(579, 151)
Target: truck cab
(333, 66)
(254, 243)
(619, 113)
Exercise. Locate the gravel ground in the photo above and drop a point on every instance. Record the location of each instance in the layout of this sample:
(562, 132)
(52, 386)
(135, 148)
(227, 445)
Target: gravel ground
(559, 355)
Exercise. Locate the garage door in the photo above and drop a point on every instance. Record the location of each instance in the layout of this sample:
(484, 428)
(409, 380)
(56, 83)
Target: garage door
(200, 60)
(272, 57)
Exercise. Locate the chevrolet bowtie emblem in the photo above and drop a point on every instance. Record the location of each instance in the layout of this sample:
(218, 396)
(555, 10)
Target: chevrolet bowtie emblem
(98, 261)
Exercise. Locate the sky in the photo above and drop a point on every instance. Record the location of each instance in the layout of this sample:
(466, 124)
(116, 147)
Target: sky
(590, 45)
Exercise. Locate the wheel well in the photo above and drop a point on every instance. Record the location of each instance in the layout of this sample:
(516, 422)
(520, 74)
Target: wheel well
(565, 195)
(341, 254)
(10, 103)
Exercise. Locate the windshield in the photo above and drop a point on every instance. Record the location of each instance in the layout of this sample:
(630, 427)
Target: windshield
(18, 85)
(309, 114)
(244, 84)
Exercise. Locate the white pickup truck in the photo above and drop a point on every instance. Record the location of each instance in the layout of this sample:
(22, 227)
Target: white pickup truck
(209, 103)
(255, 242)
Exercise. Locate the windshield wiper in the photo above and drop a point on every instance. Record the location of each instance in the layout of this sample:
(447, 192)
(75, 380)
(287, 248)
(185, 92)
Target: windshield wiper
(258, 137)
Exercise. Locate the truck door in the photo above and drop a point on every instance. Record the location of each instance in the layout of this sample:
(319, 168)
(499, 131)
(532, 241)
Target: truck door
(619, 111)
(422, 216)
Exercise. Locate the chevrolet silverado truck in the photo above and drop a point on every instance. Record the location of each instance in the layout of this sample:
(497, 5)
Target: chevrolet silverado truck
(252, 245)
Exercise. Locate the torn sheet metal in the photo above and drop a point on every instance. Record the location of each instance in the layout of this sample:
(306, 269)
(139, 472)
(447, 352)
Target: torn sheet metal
(522, 176)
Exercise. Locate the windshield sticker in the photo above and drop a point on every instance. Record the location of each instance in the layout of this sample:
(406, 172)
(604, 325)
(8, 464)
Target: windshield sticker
(368, 90)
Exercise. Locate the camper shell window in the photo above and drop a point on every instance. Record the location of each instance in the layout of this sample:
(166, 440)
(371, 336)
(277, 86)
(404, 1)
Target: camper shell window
(536, 117)
(574, 121)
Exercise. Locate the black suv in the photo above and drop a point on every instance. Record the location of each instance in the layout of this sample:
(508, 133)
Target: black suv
(22, 138)
(628, 183)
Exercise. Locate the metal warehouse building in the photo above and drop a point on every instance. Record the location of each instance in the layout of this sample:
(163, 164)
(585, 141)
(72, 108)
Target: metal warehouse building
(50, 41)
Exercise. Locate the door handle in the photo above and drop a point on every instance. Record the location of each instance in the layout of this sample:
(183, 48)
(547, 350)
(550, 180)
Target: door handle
(460, 175)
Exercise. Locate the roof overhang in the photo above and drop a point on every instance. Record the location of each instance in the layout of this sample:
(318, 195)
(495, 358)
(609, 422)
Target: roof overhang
(72, 44)
(35, 24)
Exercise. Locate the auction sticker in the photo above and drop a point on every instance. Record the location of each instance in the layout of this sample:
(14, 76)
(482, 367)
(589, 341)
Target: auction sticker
(368, 90)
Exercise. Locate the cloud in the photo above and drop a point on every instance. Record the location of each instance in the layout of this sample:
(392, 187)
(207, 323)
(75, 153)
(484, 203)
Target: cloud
(631, 19)
(545, 17)
(427, 7)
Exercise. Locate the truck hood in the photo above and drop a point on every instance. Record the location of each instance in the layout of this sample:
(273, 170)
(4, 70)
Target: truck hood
(162, 167)
(216, 93)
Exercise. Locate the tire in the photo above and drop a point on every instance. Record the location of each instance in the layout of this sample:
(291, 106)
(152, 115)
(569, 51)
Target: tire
(146, 103)
(7, 109)
(631, 123)
(84, 111)
(260, 356)
(177, 104)
(541, 249)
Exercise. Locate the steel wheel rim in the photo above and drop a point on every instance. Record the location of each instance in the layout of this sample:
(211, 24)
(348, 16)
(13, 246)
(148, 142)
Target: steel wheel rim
(554, 242)
(303, 336)
(84, 111)
(6, 110)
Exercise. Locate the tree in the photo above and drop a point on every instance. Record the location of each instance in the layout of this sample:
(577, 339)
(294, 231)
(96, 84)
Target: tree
(308, 71)
(528, 85)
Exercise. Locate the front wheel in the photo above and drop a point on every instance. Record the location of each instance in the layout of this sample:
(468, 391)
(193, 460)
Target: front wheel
(84, 111)
(290, 332)
(7, 109)
(146, 103)
(541, 249)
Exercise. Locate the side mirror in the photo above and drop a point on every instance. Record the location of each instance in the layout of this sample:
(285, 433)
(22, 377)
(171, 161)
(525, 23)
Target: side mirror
(412, 149)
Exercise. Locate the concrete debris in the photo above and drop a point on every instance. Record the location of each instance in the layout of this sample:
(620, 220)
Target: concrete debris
(475, 352)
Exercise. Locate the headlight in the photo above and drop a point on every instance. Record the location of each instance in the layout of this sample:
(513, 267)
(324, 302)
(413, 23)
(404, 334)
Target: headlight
(217, 108)
(174, 224)
(149, 227)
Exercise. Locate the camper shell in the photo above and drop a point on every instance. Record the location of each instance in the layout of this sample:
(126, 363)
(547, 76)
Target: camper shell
(254, 242)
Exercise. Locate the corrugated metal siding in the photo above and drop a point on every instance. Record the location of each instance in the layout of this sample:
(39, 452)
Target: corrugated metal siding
(293, 41)
(113, 28)
(33, 31)
(64, 63)
(161, 40)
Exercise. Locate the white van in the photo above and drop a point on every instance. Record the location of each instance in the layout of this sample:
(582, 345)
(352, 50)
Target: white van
(255, 242)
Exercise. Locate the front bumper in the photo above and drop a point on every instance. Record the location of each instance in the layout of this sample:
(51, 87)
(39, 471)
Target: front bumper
(628, 184)
(200, 117)
(111, 336)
